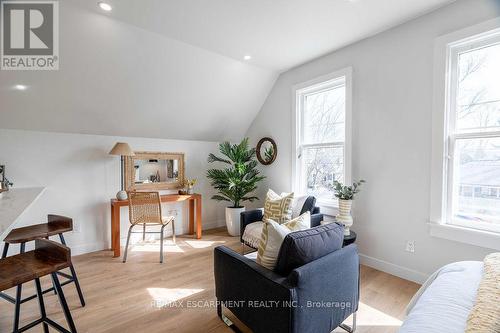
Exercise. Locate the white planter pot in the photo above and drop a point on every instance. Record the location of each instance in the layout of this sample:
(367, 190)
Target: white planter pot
(344, 216)
(233, 220)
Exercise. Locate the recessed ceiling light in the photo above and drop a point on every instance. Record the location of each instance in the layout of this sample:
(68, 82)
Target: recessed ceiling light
(105, 6)
(247, 57)
(20, 87)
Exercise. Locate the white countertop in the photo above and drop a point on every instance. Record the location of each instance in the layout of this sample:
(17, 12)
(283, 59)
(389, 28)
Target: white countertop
(13, 203)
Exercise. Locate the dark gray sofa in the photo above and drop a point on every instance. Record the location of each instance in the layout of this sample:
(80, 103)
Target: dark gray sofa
(256, 215)
(314, 298)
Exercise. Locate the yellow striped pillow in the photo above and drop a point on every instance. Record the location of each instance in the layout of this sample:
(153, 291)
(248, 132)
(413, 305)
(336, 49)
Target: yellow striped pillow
(278, 207)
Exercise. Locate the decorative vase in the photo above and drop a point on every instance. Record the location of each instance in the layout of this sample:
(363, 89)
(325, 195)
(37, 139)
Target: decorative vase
(344, 216)
(190, 190)
(233, 220)
(121, 195)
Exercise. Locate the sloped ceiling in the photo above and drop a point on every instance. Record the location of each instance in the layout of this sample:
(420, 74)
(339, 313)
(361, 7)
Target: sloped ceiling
(118, 79)
(279, 34)
(174, 69)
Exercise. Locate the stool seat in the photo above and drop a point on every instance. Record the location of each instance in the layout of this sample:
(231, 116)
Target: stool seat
(21, 268)
(48, 258)
(56, 225)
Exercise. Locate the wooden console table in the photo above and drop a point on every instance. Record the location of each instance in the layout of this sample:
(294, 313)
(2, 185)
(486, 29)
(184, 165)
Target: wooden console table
(194, 204)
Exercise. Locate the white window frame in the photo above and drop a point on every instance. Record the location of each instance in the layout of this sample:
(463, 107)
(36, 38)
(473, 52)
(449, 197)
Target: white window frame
(341, 77)
(446, 52)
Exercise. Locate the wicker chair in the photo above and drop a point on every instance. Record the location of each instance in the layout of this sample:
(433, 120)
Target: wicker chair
(145, 209)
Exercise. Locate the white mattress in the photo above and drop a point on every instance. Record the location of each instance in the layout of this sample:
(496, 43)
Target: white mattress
(445, 301)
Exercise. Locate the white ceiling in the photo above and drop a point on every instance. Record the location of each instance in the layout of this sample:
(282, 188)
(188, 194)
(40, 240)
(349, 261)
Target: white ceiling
(279, 34)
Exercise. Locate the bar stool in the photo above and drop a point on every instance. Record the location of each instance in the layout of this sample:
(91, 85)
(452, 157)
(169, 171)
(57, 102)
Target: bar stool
(57, 225)
(47, 259)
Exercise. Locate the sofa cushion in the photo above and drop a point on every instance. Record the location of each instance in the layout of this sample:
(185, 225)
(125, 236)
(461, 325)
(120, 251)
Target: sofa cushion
(301, 247)
(278, 207)
(251, 235)
(272, 236)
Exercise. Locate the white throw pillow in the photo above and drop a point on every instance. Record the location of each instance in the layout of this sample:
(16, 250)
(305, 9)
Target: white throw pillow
(273, 235)
(297, 204)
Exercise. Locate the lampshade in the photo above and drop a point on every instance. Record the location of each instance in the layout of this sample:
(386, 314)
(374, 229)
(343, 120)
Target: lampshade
(122, 149)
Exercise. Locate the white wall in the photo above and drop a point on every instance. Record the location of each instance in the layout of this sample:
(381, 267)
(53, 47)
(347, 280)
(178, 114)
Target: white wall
(392, 106)
(81, 178)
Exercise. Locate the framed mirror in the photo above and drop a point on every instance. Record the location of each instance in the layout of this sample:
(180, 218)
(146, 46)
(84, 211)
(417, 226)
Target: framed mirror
(154, 171)
(266, 151)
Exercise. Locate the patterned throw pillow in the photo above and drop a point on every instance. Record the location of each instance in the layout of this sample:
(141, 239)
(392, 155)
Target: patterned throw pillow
(273, 235)
(278, 207)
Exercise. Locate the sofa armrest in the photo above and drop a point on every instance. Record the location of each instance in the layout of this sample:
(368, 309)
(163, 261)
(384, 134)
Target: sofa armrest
(248, 217)
(326, 288)
(316, 220)
(245, 288)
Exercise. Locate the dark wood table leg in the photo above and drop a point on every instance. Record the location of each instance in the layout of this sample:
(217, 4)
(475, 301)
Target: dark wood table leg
(115, 230)
(191, 216)
(198, 217)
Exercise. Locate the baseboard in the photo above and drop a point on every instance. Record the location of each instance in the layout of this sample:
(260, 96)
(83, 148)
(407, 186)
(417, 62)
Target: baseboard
(393, 269)
(87, 248)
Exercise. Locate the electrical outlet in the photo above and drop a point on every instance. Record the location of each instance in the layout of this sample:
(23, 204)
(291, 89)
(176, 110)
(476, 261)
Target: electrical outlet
(172, 212)
(76, 227)
(410, 246)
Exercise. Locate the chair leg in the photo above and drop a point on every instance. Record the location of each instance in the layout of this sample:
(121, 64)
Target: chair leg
(64, 305)
(73, 274)
(77, 285)
(161, 243)
(347, 328)
(17, 307)
(173, 230)
(126, 245)
(5, 250)
(144, 232)
(41, 304)
(226, 320)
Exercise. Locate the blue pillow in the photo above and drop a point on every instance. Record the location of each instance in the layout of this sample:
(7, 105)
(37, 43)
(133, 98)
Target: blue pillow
(304, 246)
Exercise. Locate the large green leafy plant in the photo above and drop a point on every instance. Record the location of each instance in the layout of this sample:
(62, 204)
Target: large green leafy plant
(345, 192)
(239, 178)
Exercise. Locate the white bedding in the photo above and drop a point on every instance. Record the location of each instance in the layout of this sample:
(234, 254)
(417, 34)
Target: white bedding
(443, 303)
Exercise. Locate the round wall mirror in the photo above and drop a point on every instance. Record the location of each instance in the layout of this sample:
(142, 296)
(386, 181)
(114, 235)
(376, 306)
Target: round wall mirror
(266, 151)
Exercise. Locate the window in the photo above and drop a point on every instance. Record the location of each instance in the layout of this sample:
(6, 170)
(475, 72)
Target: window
(472, 158)
(322, 150)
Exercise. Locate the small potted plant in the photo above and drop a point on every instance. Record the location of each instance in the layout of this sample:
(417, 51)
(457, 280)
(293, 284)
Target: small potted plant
(346, 194)
(236, 182)
(189, 184)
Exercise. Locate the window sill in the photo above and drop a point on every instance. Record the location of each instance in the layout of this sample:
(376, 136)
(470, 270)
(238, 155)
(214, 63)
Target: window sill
(328, 208)
(475, 237)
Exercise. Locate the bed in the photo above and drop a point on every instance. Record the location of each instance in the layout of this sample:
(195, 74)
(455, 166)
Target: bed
(445, 300)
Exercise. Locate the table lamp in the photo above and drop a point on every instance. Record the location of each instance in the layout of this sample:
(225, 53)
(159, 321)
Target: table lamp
(122, 149)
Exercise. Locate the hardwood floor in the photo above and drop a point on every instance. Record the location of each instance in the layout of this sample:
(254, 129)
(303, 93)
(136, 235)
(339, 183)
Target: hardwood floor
(129, 297)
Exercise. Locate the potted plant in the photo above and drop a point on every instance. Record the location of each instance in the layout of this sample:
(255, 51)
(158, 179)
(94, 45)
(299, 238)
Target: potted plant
(189, 184)
(346, 194)
(236, 181)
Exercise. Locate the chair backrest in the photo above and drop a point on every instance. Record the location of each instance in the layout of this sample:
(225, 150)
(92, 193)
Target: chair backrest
(60, 221)
(144, 207)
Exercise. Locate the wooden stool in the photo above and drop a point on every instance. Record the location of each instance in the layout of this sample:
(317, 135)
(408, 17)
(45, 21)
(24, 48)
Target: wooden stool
(48, 258)
(56, 225)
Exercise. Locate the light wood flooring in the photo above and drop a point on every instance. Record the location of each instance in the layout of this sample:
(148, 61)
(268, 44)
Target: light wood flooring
(129, 297)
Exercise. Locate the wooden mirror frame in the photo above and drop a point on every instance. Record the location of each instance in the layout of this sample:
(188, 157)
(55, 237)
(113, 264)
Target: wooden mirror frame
(147, 155)
(259, 156)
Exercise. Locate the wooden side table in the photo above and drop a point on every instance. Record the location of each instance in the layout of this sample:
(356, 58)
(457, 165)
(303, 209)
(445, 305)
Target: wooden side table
(194, 214)
(349, 239)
